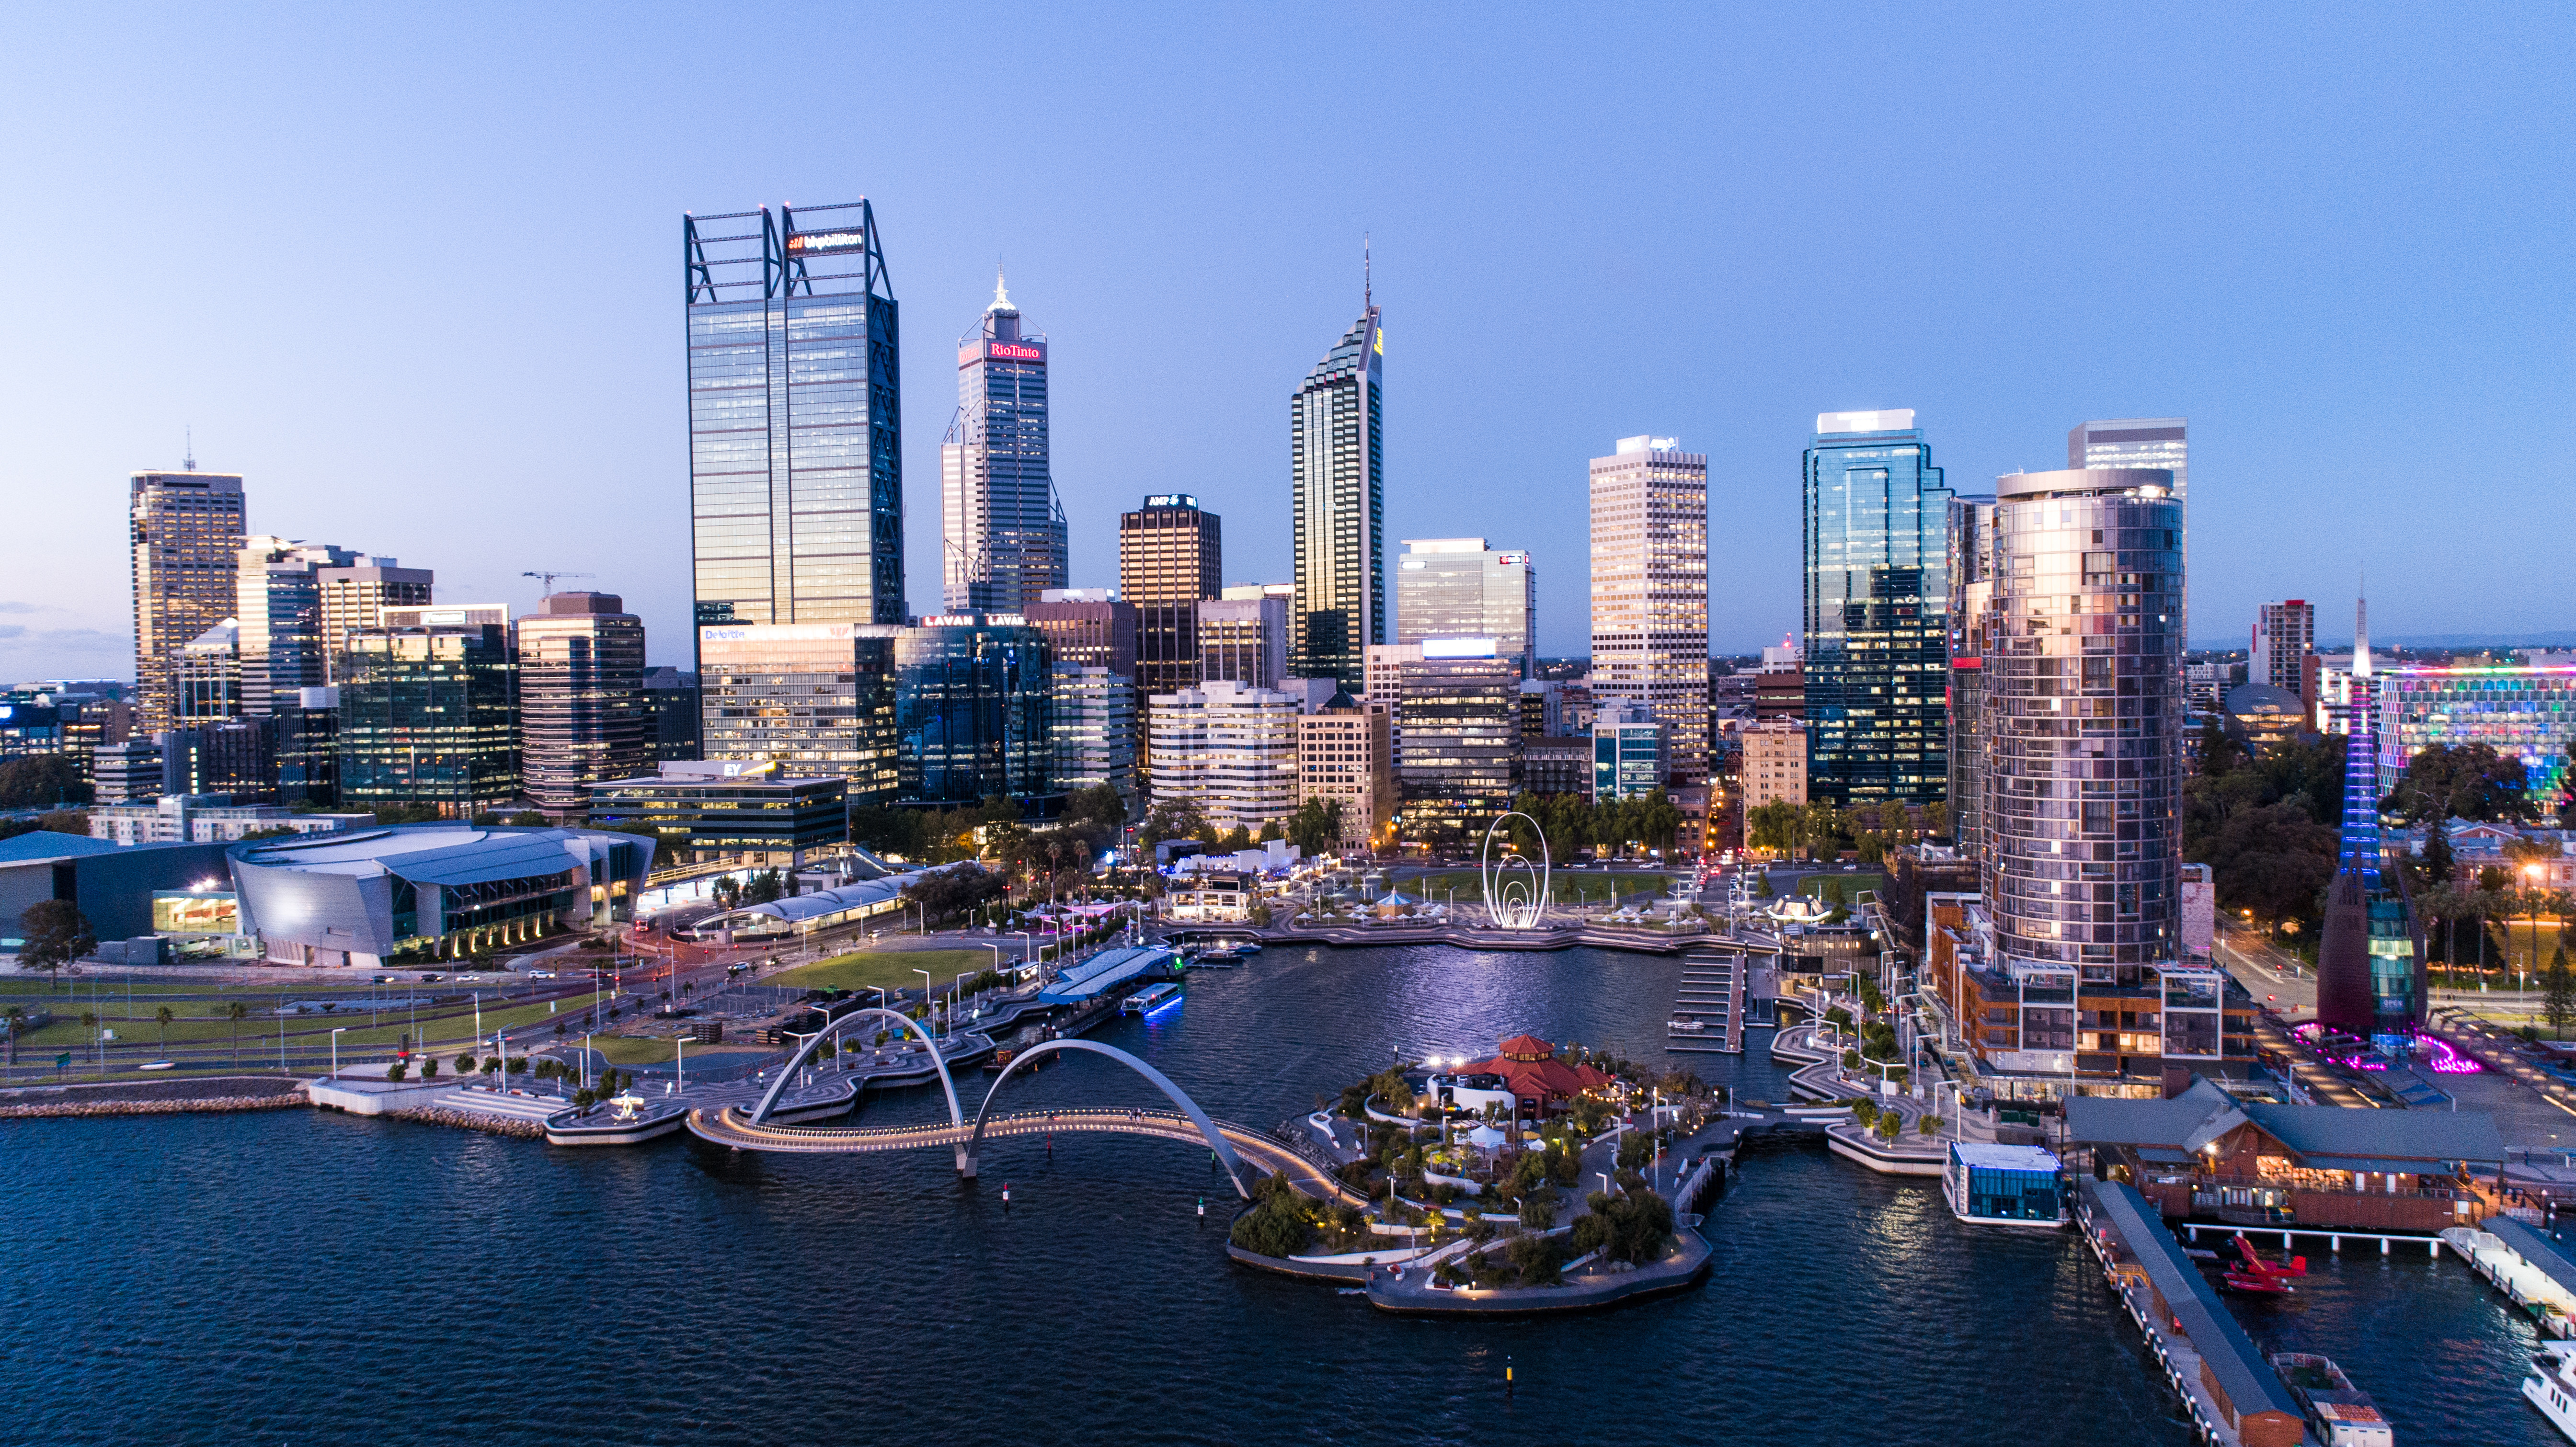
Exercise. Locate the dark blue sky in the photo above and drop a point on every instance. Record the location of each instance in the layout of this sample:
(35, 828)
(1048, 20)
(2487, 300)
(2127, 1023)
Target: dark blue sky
(415, 271)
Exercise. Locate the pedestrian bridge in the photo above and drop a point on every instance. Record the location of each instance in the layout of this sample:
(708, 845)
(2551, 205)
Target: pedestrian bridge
(1231, 1145)
(732, 1126)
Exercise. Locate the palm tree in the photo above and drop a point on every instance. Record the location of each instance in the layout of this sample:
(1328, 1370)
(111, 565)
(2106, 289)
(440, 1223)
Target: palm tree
(162, 1017)
(237, 1013)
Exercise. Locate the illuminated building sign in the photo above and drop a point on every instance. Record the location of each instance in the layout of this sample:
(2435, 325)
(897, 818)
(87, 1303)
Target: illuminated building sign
(1457, 648)
(809, 243)
(1014, 352)
(776, 632)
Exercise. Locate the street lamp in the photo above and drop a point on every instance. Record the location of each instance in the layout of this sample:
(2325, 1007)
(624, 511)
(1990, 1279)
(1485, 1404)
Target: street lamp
(680, 1063)
(335, 1050)
(997, 956)
(1028, 951)
(928, 1006)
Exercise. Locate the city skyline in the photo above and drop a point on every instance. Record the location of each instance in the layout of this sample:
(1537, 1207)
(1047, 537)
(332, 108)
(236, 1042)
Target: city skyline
(2272, 365)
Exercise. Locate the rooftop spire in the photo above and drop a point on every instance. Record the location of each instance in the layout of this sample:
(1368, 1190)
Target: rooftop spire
(1368, 297)
(2361, 629)
(189, 461)
(1001, 290)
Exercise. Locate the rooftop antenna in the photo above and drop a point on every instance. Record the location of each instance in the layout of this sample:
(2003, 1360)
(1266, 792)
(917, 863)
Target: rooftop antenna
(1368, 296)
(190, 460)
(2361, 628)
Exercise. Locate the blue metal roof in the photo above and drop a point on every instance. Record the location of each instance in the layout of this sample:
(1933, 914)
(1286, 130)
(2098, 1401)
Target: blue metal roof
(46, 844)
(1103, 972)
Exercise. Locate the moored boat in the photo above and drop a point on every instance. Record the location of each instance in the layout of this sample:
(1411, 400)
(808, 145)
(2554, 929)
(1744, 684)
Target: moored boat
(2340, 1414)
(1992, 1185)
(2552, 1385)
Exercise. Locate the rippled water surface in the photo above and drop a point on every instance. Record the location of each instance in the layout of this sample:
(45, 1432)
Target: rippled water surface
(300, 1278)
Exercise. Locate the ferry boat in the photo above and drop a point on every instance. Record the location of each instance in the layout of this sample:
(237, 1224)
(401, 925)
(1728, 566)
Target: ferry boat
(2339, 1413)
(1153, 999)
(1681, 1026)
(2552, 1385)
(1991, 1185)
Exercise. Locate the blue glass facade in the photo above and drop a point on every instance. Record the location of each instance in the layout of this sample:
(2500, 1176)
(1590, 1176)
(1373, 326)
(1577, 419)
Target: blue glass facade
(972, 709)
(1336, 467)
(795, 428)
(1876, 524)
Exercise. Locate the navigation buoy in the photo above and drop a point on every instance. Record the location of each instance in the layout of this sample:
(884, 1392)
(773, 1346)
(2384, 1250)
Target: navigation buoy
(1006, 1195)
(1507, 1376)
(1202, 1208)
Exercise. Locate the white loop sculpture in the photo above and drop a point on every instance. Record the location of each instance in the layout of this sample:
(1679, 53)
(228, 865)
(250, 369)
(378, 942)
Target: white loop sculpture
(1515, 889)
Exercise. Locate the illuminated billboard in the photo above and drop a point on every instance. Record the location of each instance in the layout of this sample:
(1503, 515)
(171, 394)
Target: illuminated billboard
(1457, 647)
(1014, 352)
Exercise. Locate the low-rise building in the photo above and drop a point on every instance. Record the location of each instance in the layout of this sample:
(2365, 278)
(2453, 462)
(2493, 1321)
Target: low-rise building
(1629, 760)
(1556, 765)
(437, 890)
(2033, 1030)
(1213, 898)
(207, 819)
(2204, 1154)
(711, 810)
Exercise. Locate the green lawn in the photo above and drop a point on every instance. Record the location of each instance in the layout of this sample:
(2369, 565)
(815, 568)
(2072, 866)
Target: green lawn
(1853, 884)
(888, 969)
(1565, 886)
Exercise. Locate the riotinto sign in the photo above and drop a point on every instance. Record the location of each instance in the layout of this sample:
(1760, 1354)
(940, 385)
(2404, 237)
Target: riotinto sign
(1014, 352)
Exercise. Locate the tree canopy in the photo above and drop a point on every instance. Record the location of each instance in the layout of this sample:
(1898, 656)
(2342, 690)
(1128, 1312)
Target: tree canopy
(2463, 781)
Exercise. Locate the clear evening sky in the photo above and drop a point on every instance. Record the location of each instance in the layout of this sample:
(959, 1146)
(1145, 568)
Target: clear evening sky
(415, 271)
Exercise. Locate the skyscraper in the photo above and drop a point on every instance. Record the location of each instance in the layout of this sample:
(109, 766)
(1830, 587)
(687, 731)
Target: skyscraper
(1336, 470)
(1972, 592)
(2141, 442)
(278, 602)
(2080, 824)
(1650, 591)
(1001, 525)
(1876, 522)
(354, 600)
(795, 418)
(429, 704)
(2284, 635)
(1461, 588)
(1170, 555)
(819, 698)
(186, 529)
(583, 716)
(2370, 963)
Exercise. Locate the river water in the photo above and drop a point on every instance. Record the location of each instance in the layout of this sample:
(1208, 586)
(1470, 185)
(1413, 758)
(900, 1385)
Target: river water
(292, 1277)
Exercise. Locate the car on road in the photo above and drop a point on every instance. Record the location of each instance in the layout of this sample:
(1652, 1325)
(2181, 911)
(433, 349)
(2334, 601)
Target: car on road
(429, 979)
(541, 974)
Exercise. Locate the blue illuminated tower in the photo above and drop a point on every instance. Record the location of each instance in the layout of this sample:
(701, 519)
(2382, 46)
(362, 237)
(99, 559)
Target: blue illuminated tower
(2370, 971)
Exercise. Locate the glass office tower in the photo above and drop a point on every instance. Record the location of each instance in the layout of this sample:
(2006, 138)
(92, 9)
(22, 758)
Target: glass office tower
(817, 698)
(1460, 588)
(972, 709)
(1339, 495)
(1170, 554)
(429, 711)
(583, 716)
(1972, 591)
(1002, 535)
(1877, 599)
(795, 426)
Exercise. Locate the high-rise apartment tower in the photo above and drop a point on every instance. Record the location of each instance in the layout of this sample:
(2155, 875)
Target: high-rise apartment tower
(1002, 534)
(1650, 591)
(2284, 635)
(186, 530)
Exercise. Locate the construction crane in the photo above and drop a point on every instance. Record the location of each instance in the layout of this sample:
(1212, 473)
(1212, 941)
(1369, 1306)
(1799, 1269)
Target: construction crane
(547, 580)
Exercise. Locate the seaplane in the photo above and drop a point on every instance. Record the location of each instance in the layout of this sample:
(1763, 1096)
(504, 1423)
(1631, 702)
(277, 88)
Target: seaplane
(2254, 1276)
